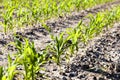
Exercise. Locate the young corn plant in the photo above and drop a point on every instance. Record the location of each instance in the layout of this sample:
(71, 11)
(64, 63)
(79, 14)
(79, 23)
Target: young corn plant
(99, 23)
(1, 72)
(95, 26)
(112, 15)
(22, 17)
(58, 47)
(29, 58)
(117, 11)
(45, 26)
(10, 72)
(74, 35)
(90, 29)
(33, 10)
(7, 17)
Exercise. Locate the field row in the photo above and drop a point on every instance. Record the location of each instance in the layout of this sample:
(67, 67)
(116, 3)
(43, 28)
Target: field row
(19, 13)
(31, 61)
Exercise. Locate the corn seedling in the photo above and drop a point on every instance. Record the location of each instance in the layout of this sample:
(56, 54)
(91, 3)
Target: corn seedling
(58, 47)
(46, 27)
(7, 17)
(1, 72)
(29, 58)
(74, 35)
(10, 71)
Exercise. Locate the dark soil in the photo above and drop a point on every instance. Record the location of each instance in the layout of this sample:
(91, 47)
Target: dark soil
(97, 61)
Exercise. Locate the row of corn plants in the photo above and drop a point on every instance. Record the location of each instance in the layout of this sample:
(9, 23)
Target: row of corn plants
(26, 58)
(24, 13)
(84, 32)
(32, 62)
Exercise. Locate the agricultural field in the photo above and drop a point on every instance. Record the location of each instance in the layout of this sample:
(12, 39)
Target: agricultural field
(59, 39)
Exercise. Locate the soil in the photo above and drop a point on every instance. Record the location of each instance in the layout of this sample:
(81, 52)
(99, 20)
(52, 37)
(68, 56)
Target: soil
(99, 60)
